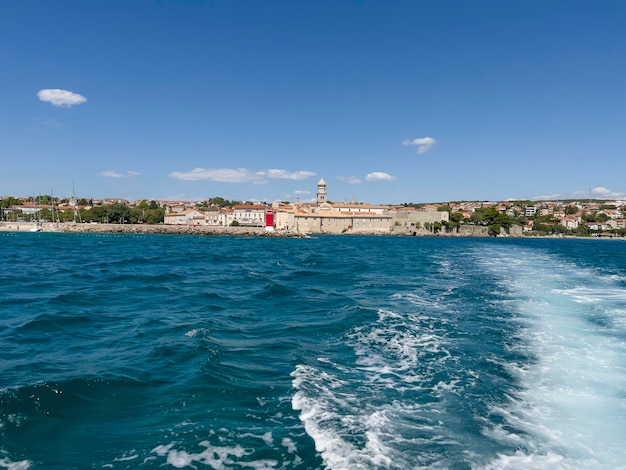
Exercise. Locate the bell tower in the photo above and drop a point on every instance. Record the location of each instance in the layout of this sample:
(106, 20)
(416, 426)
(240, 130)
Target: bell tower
(321, 191)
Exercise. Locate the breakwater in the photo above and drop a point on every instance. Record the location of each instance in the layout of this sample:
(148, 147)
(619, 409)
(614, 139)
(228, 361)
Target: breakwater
(145, 229)
(71, 227)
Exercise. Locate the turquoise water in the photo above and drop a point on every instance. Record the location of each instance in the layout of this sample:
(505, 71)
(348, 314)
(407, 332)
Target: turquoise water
(330, 352)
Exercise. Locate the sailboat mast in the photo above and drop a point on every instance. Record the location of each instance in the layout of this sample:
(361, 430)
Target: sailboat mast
(76, 211)
(52, 203)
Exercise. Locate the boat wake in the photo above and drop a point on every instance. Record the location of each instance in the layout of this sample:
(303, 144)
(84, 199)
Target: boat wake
(523, 369)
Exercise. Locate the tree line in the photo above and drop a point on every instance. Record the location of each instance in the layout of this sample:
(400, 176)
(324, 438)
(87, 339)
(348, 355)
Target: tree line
(149, 212)
(542, 224)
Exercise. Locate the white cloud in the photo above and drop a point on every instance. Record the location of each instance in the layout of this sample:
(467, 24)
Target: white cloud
(221, 175)
(50, 122)
(349, 179)
(423, 143)
(302, 192)
(599, 192)
(547, 197)
(115, 174)
(286, 175)
(238, 175)
(61, 98)
(380, 176)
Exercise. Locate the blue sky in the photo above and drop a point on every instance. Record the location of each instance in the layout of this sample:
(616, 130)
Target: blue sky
(388, 101)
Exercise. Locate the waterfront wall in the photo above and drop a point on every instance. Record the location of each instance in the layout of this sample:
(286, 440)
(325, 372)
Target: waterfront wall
(147, 229)
(402, 230)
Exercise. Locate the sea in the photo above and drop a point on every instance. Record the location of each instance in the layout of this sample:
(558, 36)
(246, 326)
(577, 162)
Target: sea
(329, 352)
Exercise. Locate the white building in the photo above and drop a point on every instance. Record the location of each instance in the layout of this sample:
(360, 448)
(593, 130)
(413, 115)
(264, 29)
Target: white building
(186, 217)
(248, 215)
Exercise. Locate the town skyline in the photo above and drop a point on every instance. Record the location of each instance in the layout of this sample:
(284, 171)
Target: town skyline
(605, 218)
(310, 197)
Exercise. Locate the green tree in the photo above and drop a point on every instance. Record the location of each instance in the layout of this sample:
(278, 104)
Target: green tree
(457, 217)
(541, 228)
(41, 199)
(582, 230)
(136, 215)
(448, 225)
(95, 214)
(220, 202)
(66, 215)
(477, 217)
(154, 216)
(492, 218)
(4, 206)
(45, 214)
(11, 201)
(119, 213)
(571, 209)
(590, 217)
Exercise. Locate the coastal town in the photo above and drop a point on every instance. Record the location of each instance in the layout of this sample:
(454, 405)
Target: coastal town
(584, 218)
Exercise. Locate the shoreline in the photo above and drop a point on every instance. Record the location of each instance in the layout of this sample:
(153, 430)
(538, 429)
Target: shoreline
(65, 227)
(71, 227)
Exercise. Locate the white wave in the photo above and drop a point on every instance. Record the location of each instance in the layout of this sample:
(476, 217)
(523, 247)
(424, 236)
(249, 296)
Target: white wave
(216, 457)
(267, 437)
(289, 445)
(197, 332)
(231, 452)
(365, 416)
(11, 465)
(330, 428)
(570, 412)
(126, 458)
(16, 420)
(395, 405)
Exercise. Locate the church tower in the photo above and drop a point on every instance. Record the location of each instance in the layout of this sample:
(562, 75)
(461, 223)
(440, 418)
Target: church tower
(321, 192)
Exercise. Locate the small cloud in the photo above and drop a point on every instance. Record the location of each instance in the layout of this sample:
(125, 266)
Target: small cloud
(349, 179)
(286, 175)
(423, 143)
(61, 98)
(547, 197)
(49, 122)
(221, 175)
(380, 176)
(238, 175)
(599, 192)
(115, 174)
(298, 192)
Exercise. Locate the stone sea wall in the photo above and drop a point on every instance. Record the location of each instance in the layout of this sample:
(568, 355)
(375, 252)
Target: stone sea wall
(146, 229)
(464, 231)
